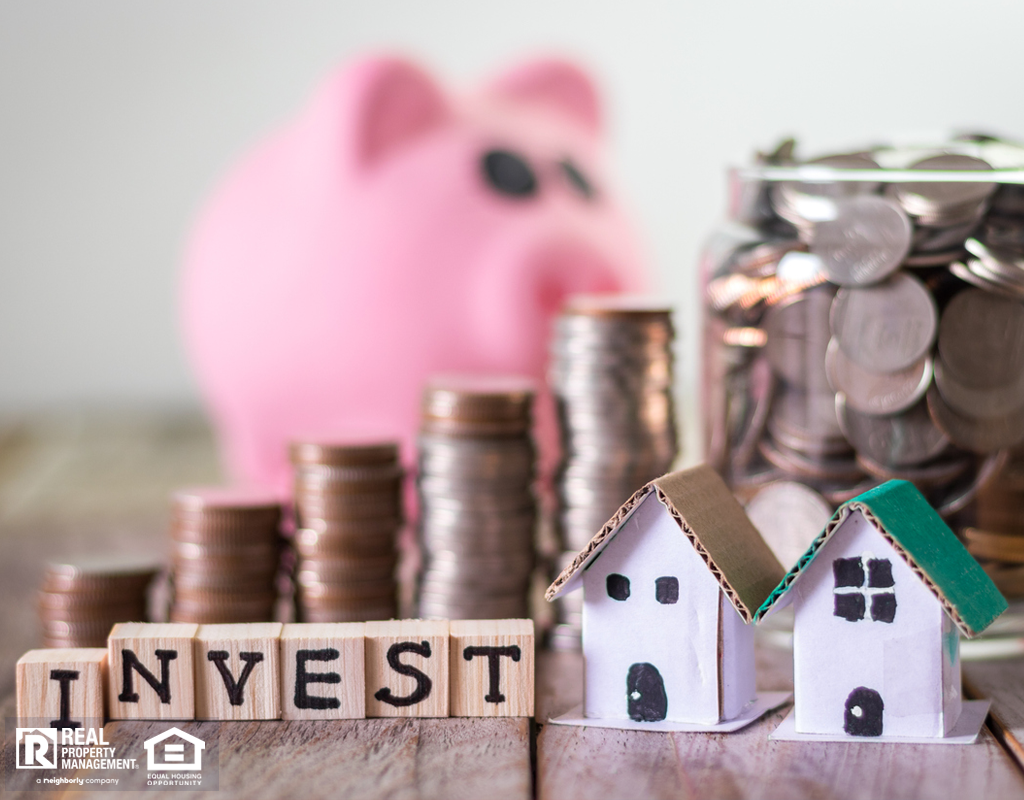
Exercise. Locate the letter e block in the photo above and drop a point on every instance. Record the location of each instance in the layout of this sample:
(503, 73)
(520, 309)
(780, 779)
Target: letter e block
(238, 671)
(150, 668)
(407, 668)
(62, 688)
(492, 668)
(323, 670)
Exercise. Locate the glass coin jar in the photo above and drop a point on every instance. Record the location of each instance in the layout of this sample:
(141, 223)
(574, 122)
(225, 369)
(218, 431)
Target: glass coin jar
(864, 320)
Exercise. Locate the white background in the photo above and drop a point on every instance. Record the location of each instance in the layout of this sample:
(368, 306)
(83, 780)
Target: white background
(116, 116)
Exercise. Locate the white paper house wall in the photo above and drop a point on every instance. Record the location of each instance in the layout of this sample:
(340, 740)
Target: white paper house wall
(877, 599)
(669, 584)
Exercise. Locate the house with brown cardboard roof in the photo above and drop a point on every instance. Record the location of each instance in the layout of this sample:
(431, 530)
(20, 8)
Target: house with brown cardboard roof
(671, 583)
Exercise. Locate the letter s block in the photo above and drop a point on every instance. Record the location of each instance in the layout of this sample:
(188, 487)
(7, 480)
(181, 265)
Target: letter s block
(407, 668)
(323, 670)
(492, 668)
(62, 688)
(238, 671)
(150, 667)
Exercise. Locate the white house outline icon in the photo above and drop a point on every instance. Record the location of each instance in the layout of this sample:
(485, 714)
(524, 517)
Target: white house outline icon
(151, 761)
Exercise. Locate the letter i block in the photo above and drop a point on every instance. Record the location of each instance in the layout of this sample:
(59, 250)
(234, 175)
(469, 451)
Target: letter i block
(62, 688)
(492, 668)
(323, 670)
(238, 671)
(151, 670)
(407, 668)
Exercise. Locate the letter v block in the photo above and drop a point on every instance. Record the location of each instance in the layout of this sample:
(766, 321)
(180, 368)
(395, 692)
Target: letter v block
(407, 668)
(150, 667)
(322, 670)
(238, 671)
(62, 688)
(492, 668)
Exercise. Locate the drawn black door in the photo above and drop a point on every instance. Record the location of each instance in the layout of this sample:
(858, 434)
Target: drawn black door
(863, 713)
(645, 692)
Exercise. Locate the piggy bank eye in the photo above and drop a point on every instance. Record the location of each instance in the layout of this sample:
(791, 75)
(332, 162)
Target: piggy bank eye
(509, 173)
(577, 179)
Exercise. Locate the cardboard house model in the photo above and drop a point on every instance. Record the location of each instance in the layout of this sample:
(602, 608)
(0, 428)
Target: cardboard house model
(670, 584)
(878, 599)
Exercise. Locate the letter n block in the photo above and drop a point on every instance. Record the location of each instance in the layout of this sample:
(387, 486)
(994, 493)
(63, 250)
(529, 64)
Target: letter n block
(407, 668)
(150, 667)
(238, 671)
(62, 688)
(492, 668)
(323, 670)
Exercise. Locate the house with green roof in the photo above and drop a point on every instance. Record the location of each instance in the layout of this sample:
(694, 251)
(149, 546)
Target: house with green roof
(880, 598)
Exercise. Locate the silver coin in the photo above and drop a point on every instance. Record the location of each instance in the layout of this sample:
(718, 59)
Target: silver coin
(887, 327)
(864, 242)
(981, 338)
(789, 516)
(980, 403)
(798, 335)
(877, 393)
(976, 435)
(903, 439)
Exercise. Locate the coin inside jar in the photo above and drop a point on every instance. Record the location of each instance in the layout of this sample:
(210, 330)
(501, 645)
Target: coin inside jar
(887, 327)
(877, 393)
(896, 440)
(863, 242)
(981, 338)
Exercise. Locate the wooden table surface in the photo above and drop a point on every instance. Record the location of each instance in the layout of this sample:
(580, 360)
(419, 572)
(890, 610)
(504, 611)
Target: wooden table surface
(94, 484)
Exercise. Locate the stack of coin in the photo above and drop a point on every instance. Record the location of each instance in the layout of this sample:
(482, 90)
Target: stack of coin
(81, 599)
(611, 374)
(477, 507)
(348, 509)
(998, 540)
(870, 328)
(225, 553)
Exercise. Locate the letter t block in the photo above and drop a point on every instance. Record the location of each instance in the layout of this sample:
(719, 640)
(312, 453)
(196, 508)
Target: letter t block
(62, 688)
(492, 668)
(151, 673)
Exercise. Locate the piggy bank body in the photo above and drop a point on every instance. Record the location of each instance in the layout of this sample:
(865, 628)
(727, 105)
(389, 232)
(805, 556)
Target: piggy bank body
(391, 232)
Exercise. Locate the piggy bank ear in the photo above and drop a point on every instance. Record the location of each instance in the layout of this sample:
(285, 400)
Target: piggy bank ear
(378, 105)
(557, 85)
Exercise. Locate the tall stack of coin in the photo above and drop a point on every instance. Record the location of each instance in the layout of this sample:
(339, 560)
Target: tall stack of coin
(864, 327)
(611, 374)
(81, 599)
(225, 553)
(348, 508)
(477, 507)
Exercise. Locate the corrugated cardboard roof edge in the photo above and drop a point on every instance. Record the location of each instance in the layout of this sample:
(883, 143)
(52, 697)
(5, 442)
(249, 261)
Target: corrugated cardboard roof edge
(714, 522)
(900, 513)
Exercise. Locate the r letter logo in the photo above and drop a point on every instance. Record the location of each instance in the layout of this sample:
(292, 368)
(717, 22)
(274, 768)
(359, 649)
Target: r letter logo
(36, 748)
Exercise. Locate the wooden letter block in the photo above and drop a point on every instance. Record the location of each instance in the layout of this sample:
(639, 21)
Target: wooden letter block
(62, 688)
(238, 671)
(150, 668)
(492, 668)
(407, 668)
(323, 670)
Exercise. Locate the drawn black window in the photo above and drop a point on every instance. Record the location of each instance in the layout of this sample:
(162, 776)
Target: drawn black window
(857, 590)
(618, 586)
(666, 590)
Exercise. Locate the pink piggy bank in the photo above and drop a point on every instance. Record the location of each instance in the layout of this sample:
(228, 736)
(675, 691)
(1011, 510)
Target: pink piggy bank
(388, 233)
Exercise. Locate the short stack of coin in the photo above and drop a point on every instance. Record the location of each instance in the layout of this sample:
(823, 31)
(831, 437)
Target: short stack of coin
(611, 374)
(348, 508)
(868, 329)
(998, 540)
(81, 599)
(477, 507)
(225, 555)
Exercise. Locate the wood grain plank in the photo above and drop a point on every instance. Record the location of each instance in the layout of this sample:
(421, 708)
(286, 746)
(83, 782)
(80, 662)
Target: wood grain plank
(1001, 681)
(587, 763)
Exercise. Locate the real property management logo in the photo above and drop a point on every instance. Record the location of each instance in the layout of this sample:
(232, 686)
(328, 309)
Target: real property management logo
(36, 748)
